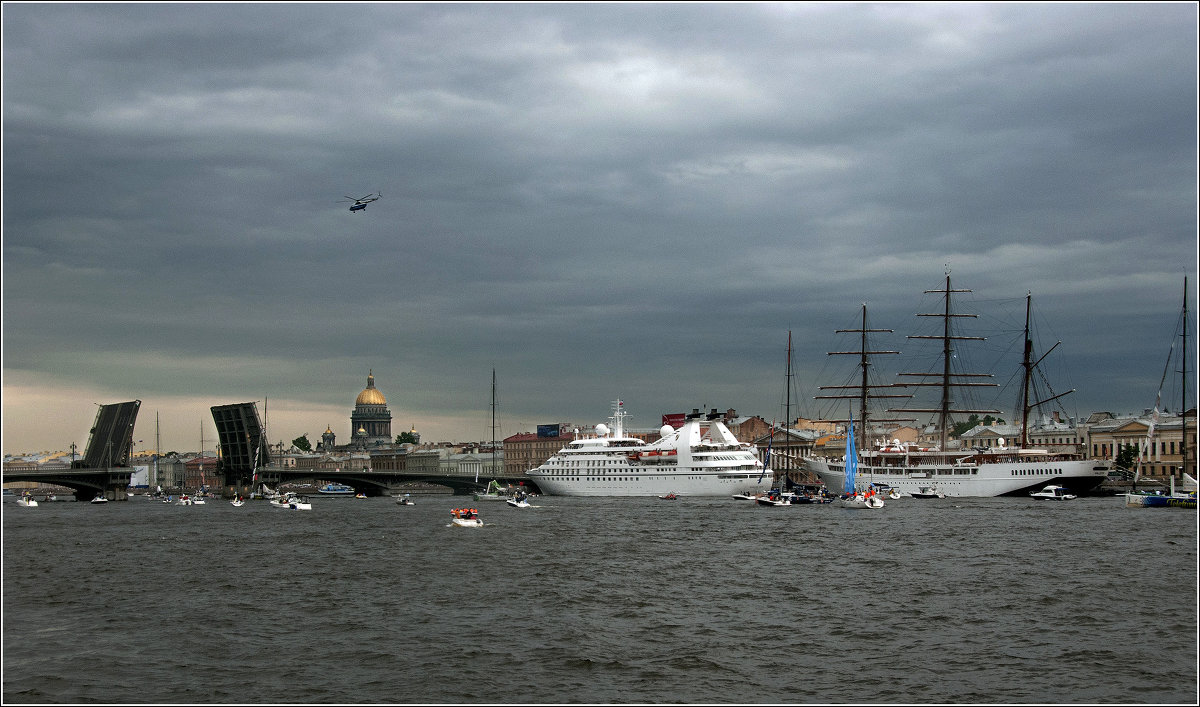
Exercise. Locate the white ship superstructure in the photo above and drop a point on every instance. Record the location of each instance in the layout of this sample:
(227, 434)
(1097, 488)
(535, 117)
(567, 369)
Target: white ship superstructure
(701, 458)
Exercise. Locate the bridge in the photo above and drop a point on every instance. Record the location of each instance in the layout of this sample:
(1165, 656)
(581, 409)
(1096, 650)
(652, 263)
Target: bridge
(244, 461)
(104, 469)
(384, 482)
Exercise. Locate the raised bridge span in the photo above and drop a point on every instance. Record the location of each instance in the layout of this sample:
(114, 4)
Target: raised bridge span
(244, 455)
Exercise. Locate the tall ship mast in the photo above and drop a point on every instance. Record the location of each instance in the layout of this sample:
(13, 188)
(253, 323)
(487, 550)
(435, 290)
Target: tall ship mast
(865, 389)
(978, 471)
(1028, 366)
(948, 380)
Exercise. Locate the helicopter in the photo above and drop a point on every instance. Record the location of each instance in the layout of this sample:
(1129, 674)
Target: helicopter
(360, 204)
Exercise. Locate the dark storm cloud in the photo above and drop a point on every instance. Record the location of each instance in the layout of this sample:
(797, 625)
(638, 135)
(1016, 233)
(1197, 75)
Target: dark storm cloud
(598, 200)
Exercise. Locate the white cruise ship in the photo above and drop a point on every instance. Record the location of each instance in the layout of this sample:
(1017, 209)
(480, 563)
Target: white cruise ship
(702, 458)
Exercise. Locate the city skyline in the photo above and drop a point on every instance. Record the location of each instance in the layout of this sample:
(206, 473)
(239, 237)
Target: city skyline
(596, 201)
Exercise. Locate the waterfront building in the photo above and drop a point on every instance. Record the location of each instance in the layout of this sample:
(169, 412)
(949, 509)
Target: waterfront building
(371, 421)
(1163, 457)
(201, 472)
(788, 449)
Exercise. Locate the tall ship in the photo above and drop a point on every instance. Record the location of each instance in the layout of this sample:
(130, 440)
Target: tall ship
(701, 458)
(974, 471)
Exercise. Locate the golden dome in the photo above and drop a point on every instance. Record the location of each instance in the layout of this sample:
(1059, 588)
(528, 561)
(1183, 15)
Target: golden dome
(370, 394)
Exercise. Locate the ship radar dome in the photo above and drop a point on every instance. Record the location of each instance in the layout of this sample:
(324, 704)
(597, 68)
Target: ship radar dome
(666, 430)
(601, 429)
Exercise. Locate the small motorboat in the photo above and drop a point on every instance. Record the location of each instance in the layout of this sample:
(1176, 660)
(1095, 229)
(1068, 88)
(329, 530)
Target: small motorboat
(360, 494)
(887, 491)
(405, 500)
(669, 497)
(746, 496)
(1053, 493)
(927, 492)
(292, 501)
(27, 501)
(466, 518)
(519, 500)
(99, 498)
(238, 502)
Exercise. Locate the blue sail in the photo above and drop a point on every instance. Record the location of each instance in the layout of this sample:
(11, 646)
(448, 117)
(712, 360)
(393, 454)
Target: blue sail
(851, 458)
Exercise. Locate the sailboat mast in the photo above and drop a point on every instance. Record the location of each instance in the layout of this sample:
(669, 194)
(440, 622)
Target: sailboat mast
(862, 406)
(493, 423)
(1183, 392)
(157, 449)
(944, 409)
(864, 388)
(1027, 365)
(787, 419)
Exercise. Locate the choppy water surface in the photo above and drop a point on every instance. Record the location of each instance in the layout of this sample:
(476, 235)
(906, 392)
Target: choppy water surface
(600, 600)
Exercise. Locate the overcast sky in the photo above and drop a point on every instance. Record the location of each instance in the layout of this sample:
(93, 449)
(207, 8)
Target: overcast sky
(599, 201)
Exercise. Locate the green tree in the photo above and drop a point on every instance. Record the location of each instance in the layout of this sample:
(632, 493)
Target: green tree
(1127, 457)
(405, 438)
(961, 427)
(302, 443)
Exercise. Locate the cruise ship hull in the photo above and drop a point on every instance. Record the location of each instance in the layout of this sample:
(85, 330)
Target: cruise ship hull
(982, 480)
(637, 482)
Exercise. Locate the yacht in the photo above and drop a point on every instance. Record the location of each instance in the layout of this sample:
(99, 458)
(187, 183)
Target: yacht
(333, 489)
(701, 458)
(1053, 493)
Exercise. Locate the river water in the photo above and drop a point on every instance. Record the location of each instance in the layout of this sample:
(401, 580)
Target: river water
(600, 601)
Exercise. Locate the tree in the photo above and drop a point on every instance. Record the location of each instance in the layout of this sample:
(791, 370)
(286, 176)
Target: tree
(302, 443)
(973, 421)
(405, 438)
(1127, 457)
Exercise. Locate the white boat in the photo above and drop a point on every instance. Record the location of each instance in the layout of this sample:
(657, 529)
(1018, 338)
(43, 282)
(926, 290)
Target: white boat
(1053, 493)
(494, 492)
(996, 471)
(27, 501)
(701, 458)
(466, 518)
(405, 500)
(519, 499)
(238, 502)
(927, 492)
(99, 498)
(292, 501)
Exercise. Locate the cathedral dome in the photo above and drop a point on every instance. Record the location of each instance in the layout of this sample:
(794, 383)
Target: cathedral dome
(370, 394)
